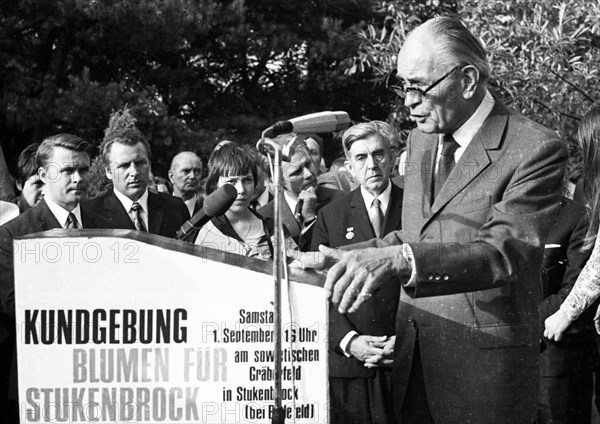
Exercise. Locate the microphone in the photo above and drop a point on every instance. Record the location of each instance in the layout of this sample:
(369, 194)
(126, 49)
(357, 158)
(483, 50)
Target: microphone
(319, 122)
(215, 204)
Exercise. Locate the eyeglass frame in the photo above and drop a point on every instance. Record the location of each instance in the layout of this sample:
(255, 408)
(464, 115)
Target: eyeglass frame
(403, 91)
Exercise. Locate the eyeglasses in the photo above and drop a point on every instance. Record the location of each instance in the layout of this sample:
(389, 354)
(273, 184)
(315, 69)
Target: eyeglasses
(403, 90)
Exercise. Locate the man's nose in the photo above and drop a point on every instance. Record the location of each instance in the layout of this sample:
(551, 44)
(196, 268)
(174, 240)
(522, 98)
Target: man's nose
(412, 99)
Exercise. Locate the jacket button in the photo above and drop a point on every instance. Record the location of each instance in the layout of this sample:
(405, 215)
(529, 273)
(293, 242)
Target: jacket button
(446, 277)
(412, 322)
(430, 277)
(438, 277)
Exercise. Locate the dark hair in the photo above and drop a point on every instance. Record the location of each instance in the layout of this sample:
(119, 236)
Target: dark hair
(128, 136)
(27, 164)
(68, 141)
(229, 159)
(588, 136)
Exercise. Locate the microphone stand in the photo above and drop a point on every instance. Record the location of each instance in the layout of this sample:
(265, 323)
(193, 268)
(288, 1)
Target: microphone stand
(279, 263)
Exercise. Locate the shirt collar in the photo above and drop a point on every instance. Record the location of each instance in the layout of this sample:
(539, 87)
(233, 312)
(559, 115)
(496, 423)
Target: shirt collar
(384, 197)
(467, 131)
(291, 202)
(61, 214)
(127, 202)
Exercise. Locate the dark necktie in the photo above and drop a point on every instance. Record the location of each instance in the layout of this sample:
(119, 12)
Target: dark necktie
(71, 222)
(137, 217)
(446, 163)
(376, 215)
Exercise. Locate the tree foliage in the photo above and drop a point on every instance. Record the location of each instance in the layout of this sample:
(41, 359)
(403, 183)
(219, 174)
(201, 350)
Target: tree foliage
(543, 54)
(192, 71)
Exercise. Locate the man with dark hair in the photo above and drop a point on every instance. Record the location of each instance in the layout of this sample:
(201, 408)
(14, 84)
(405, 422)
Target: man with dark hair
(28, 181)
(63, 163)
(130, 205)
(302, 197)
(479, 202)
(361, 344)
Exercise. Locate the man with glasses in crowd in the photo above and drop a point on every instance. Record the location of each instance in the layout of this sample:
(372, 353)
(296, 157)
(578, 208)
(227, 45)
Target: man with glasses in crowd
(481, 189)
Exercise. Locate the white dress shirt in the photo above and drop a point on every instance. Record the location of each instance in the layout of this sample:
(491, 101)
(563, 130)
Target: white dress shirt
(61, 214)
(142, 201)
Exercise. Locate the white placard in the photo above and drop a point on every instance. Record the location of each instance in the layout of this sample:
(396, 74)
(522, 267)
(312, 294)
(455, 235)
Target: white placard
(117, 330)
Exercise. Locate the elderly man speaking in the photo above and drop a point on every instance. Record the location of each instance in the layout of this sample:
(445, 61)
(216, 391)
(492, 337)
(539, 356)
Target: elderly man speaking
(481, 190)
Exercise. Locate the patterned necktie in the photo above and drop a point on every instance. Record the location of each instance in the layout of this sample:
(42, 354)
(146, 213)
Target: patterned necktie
(376, 216)
(446, 163)
(137, 217)
(71, 222)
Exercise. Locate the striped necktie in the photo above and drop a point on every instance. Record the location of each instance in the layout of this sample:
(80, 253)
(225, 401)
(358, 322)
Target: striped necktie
(71, 223)
(446, 163)
(376, 215)
(136, 217)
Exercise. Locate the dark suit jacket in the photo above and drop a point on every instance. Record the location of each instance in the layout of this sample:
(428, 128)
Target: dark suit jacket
(324, 196)
(34, 220)
(478, 250)
(166, 213)
(561, 266)
(376, 316)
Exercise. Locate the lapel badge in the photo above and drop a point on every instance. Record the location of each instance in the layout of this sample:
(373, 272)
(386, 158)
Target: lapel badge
(350, 233)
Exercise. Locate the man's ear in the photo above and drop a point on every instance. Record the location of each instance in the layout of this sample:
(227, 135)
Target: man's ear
(349, 167)
(170, 174)
(108, 174)
(19, 185)
(470, 81)
(43, 174)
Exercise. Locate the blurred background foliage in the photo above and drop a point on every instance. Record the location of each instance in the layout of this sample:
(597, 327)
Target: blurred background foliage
(194, 72)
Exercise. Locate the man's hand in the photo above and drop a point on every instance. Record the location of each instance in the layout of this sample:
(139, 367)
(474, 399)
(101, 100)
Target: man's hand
(309, 199)
(358, 273)
(386, 359)
(314, 260)
(363, 347)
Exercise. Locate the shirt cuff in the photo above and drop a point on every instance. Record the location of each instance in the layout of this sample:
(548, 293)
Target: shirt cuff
(345, 342)
(407, 254)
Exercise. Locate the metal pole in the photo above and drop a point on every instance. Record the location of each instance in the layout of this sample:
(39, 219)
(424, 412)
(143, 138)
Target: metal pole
(278, 416)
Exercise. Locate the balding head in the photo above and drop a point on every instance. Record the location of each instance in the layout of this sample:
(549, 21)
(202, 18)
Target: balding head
(186, 174)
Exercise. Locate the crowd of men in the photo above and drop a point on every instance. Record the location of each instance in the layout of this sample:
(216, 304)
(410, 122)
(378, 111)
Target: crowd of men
(438, 276)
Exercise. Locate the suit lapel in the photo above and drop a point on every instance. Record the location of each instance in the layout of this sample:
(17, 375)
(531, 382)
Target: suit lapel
(46, 218)
(359, 217)
(475, 158)
(116, 213)
(393, 215)
(416, 206)
(155, 214)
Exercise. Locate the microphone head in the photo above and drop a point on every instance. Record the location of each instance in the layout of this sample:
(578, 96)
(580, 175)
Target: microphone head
(217, 202)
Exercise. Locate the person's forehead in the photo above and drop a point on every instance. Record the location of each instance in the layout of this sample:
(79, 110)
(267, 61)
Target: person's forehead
(300, 157)
(189, 162)
(121, 151)
(62, 155)
(416, 59)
